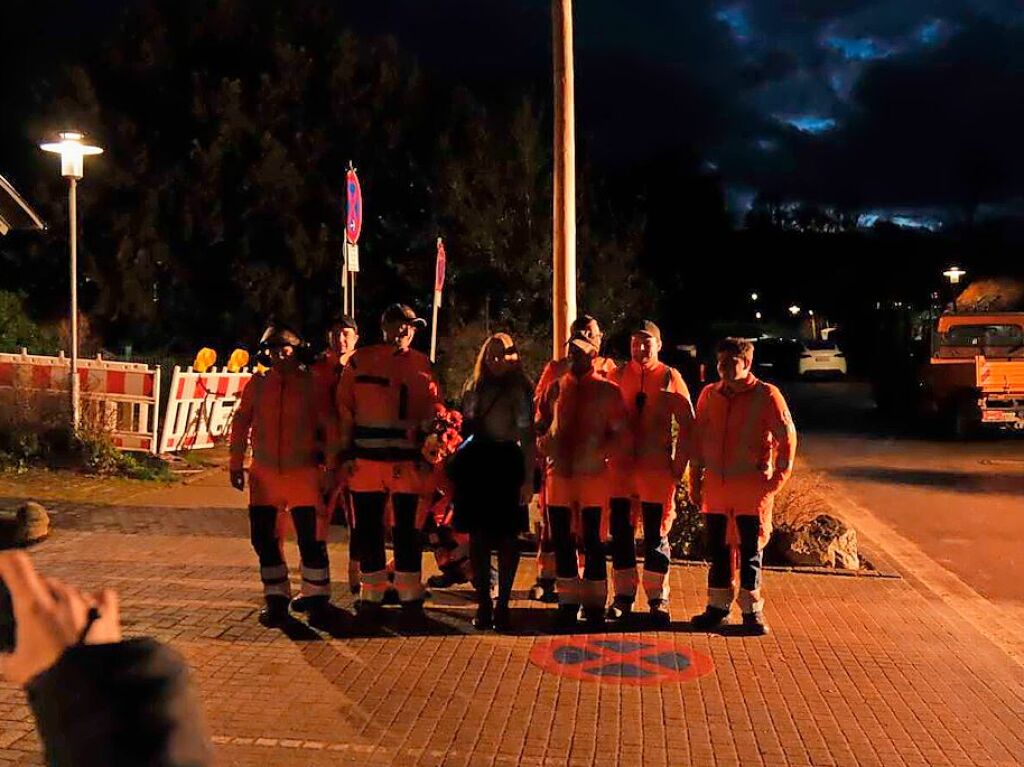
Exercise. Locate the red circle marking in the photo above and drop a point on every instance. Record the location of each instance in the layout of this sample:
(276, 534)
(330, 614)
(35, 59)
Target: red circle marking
(615, 659)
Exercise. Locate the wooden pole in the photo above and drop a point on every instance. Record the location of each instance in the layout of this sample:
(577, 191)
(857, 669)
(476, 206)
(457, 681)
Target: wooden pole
(564, 267)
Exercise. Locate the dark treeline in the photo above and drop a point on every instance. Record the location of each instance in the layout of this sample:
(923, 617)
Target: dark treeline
(229, 125)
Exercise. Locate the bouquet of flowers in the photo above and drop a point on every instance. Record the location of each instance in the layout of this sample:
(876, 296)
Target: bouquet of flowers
(444, 435)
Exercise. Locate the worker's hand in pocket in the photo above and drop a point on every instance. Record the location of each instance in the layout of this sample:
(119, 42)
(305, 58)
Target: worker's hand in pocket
(238, 479)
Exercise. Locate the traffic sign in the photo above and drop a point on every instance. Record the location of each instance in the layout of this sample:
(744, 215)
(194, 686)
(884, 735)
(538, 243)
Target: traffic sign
(614, 659)
(354, 207)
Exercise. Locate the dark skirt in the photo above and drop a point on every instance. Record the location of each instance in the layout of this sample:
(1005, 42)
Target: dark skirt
(488, 476)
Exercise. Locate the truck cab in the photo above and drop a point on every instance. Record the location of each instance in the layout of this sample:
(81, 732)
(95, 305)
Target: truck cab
(975, 375)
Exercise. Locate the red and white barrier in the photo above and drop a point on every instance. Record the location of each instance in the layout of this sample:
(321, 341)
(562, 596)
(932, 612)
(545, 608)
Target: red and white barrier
(199, 408)
(124, 395)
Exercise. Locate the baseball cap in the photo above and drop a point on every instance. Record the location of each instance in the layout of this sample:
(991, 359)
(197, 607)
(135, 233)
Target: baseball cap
(343, 321)
(647, 328)
(402, 313)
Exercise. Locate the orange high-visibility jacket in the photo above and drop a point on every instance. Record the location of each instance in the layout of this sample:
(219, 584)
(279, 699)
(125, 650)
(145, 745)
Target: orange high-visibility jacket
(588, 425)
(745, 442)
(555, 369)
(385, 398)
(327, 370)
(665, 397)
(289, 420)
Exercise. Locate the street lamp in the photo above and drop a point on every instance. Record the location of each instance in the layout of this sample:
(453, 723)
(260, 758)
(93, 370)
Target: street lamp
(757, 315)
(953, 274)
(794, 310)
(753, 296)
(73, 150)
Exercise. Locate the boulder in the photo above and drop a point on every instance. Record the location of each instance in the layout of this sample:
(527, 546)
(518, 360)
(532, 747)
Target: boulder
(806, 532)
(28, 524)
(825, 541)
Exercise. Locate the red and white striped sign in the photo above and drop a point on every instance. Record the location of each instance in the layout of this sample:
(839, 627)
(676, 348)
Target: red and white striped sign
(199, 408)
(126, 394)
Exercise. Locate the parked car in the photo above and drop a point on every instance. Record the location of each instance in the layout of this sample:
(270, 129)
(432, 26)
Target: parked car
(821, 358)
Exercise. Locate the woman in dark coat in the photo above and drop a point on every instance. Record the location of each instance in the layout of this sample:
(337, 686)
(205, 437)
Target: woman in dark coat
(492, 471)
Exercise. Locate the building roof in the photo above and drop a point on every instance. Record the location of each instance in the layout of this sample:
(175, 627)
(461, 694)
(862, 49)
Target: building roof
(15, 213)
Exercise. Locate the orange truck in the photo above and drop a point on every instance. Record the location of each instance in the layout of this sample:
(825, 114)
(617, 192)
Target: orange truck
(975, 376)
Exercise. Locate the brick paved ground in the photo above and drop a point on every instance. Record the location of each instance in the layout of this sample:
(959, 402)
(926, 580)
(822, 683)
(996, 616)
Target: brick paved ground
(858, 671)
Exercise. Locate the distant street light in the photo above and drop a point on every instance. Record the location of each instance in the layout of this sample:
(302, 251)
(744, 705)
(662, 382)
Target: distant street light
(72, 151)
(753, 296)
(794, 310)
(953, 274)
(757, 315)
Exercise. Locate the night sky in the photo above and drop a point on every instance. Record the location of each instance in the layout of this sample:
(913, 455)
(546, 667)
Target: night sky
(909, 111)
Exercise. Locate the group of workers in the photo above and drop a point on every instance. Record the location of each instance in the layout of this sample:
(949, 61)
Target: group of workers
(610, 444)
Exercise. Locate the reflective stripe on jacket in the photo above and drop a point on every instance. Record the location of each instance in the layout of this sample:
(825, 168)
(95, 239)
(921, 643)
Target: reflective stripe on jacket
(288, 419)
(384, 399)
(745, 442)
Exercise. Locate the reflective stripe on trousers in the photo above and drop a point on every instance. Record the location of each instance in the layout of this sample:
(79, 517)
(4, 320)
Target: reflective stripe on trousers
(373, 585)
(275, 581)
(316, 581)
(408, 586)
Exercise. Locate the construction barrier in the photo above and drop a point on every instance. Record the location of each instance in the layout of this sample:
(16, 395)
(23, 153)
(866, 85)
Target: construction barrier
(121, 398)
(199, 408)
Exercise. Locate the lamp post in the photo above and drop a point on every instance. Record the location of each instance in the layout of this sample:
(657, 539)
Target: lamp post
(564, 267)
(954, 274)
(73, 150)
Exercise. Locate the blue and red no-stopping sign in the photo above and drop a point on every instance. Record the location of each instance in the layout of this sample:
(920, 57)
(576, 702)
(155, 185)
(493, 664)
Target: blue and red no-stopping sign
(354, 207)
(618, 660)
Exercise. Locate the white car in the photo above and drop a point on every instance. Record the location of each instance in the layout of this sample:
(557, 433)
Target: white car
(821, 358)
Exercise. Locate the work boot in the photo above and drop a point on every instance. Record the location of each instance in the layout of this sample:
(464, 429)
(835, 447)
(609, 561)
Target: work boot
(660, 615)
(446, 579)
(594, 616)
(274, 613)
(502, 617)
(305, 604)
(544, 591)
(711, 618)
(620, 610)
(567, 616)
(753, 624)
(413, 608)
(484, 616)
(391, 596)
(367, 609)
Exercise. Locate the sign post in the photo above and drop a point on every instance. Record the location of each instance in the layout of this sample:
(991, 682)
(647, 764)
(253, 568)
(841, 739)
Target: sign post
(439, 270)
(353, 227)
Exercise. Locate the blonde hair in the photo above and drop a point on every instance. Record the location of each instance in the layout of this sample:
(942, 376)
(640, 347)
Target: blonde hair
(482, 375)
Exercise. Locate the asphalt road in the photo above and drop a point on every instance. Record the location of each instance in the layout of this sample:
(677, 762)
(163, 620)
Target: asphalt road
(961, 503)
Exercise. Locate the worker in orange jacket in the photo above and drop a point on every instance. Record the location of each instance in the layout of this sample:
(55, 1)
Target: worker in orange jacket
(584, 325)
(342, 338)
(293, 429)
(742, 454)
(644, 481)
(386, 395)
(588, 425)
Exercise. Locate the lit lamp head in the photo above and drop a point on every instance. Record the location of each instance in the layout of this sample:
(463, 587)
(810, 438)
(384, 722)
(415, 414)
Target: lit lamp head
(72, 149)
(954, 274)
(794, 310)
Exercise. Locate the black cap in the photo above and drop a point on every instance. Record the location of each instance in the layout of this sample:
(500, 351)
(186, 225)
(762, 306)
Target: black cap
(343, 321)
(401, 313)
(647, 328)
